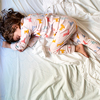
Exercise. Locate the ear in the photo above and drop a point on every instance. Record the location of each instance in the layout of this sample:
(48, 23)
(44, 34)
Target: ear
(15, 25)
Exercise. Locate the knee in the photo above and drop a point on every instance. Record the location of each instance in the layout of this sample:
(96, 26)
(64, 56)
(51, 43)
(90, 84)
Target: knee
(52, 49)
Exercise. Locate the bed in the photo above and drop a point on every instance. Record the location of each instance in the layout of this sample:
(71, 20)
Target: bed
(36, 74)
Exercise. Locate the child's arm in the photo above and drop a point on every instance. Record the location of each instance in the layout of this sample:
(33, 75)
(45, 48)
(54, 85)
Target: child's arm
(6, 45)
(33, 40)
(24, 40)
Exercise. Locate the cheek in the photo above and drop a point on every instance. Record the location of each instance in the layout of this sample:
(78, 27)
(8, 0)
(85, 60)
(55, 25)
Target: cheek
(14, 37)
(19, 32)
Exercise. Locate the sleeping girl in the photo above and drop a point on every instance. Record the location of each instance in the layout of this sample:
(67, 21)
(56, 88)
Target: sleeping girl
(17, 30)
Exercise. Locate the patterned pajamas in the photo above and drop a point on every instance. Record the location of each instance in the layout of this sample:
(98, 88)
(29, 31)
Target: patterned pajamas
(80, 38)
(61, 28)
(66, 28)
(71, 31)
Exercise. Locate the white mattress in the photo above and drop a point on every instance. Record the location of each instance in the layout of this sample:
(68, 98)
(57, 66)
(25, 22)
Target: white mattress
(36, 74)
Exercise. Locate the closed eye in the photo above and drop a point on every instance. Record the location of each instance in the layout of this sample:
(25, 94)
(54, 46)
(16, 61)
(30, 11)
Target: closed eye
(18, 38)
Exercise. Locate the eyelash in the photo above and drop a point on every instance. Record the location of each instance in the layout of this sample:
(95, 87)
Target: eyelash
(17, 38)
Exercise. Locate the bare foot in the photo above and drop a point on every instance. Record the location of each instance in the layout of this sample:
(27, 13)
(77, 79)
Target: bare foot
(80, 48)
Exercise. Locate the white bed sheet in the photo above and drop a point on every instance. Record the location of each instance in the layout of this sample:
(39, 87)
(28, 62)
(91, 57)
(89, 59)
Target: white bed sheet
(36, 74)
(87, 15)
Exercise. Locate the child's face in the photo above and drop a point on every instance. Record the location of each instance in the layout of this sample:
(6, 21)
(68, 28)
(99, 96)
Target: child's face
(17, 34)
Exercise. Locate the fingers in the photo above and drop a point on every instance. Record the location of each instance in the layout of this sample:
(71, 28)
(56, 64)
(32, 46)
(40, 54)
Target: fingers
(4, 44)
(20, 50)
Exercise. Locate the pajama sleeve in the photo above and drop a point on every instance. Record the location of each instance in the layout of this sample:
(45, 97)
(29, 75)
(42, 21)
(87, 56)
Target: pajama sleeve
(23, 42)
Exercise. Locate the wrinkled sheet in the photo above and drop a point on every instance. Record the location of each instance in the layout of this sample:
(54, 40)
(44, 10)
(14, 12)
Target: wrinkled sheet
(36, 74)
(87, 15)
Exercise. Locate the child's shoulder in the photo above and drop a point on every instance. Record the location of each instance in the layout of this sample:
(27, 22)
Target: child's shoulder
(36, 15)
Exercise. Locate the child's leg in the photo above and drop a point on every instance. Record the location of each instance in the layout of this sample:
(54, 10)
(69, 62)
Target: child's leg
(63, 35)
(58, 45)
(59, 41)
(80, 38)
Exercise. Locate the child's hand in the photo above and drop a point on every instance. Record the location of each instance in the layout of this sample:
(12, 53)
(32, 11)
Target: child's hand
(6, 44)
(20, 50)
